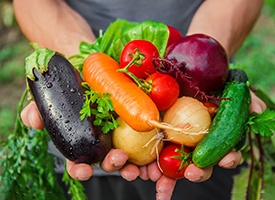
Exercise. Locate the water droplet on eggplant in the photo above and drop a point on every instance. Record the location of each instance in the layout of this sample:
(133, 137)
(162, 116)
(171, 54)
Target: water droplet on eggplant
(49, 85)
(72, 90)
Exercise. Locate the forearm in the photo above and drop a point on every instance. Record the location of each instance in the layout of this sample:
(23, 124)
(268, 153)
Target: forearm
(52, 24)
(229, 22)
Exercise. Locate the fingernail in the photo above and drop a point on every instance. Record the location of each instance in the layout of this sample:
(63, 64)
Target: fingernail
(82, 175)
(118, 164)
(163, 196)
(228, 165)
(258, 108)
(82, 178)
(30, 119)
(128, 176)
(193, 177)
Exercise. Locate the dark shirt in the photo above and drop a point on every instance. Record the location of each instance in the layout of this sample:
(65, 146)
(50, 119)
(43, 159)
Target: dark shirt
(100, 13)
(177, 13)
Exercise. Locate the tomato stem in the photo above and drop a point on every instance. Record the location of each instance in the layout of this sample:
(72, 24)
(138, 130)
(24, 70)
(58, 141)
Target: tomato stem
(183, 157)
(137, 58)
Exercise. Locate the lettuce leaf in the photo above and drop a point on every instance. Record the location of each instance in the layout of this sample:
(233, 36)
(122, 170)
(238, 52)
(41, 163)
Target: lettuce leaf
(118, 34)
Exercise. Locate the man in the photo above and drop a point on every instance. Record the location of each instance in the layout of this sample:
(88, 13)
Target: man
(61, 25)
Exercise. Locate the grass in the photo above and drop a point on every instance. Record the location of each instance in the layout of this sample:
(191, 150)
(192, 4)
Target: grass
(12, 81)
(12, 62)
(257, 55)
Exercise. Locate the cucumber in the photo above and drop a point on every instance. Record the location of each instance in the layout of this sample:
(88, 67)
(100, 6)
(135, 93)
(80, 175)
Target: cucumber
(241, 143)
(237, 75)
(229, 124)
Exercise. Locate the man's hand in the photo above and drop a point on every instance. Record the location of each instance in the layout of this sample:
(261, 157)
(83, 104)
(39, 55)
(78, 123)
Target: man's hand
(116, 159)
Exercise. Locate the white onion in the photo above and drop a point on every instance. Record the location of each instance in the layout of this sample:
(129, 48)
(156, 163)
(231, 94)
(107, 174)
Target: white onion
(186, 122)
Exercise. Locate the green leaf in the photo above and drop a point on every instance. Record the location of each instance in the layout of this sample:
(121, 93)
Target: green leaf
(39, 59)
(264, 123)
(153, 31)
(102, 112)
(27, 169)
(118, 34)
(76, 189)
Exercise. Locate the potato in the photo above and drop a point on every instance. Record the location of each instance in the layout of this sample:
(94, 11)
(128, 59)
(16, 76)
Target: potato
(141, 147)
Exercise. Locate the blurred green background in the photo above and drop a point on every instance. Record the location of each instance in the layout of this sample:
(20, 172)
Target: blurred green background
(256, 56)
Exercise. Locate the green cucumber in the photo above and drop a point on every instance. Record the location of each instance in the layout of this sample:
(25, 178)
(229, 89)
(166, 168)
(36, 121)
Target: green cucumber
(237, 75)
(241, 143)
(228, 126)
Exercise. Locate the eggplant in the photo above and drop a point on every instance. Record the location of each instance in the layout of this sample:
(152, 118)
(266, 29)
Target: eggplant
(56, 88)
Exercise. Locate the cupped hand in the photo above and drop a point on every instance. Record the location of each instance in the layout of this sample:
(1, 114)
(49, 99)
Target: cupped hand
(164, 185)
(257, 105)
(117, 159)
(113, 161)
(31, 116)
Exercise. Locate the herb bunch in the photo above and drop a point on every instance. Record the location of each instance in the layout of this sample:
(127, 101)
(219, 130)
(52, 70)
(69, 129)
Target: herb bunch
(103, 111)
(256, 181)
(27, 169)
(26, 166)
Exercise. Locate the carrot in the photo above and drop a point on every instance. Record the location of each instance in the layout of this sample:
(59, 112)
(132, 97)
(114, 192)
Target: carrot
(129, 101)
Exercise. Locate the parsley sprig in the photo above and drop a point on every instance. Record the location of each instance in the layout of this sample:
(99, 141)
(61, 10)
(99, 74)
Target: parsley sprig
(264, 123)
(76, 189)
(26, 167)
(103, 111)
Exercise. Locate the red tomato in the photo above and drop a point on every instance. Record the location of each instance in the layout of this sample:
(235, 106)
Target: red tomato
(174, 35)
(164, 91)
(173, 160)
(143, 52)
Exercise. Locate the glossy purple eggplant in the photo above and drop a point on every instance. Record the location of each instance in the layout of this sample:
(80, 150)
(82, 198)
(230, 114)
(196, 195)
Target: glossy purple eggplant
(59, 96)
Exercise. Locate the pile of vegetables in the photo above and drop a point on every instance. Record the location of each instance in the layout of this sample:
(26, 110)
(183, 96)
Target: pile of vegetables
(144, 88)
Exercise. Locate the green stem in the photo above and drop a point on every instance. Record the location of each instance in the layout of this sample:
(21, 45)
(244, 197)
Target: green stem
(184, 157)
(18, 122)
(137, 56)
(137, 59)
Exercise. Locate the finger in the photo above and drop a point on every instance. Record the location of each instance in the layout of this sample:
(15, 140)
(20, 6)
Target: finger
(130, 172)
(257, 105)
(143, 173)
(165, 187)
(81, 172)
(31, 116)
(231, 160)
(154, 171)
(195, 174)
(114, 160)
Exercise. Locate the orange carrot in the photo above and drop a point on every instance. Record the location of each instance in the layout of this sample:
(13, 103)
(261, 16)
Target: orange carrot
(129, 101)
